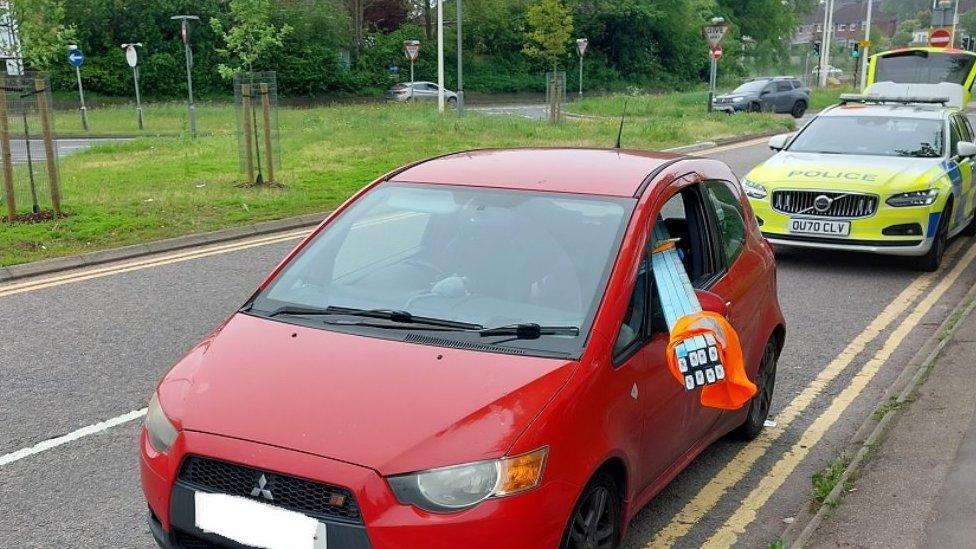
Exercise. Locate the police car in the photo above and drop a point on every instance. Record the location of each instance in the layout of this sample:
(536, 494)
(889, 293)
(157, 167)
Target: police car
(888, 174)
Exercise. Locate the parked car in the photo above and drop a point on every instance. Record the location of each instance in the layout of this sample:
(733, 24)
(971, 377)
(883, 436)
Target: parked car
(420, 91)
(877, 174)
(771, 94)
(467, 353)
(832, 72)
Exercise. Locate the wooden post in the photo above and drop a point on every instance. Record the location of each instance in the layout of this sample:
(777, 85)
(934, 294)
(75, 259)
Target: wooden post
(52, 158)
(8, 166)
(248, 136)
(266, 107)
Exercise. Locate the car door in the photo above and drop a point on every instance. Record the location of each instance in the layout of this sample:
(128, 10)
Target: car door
(784, 96)
(767, 97)
(962, 131)
(639, 361)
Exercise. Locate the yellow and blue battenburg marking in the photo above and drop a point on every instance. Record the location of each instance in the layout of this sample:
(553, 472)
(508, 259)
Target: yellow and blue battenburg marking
(698, 357)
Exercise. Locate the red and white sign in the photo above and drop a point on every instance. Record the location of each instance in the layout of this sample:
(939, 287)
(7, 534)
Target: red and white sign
(715, 54)
(411, 48)
(940, 38)
(715, 34)
(581, 44)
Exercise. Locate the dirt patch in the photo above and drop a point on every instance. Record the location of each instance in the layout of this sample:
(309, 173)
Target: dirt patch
(38, 217)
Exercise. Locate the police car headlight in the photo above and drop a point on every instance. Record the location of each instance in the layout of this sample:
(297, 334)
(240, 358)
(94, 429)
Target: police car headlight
(754, 190)
(162, 433)
(914, 198)
(448, 489)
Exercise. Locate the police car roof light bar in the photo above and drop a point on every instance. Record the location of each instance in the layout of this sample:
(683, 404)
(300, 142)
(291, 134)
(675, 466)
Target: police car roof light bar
(859, 98)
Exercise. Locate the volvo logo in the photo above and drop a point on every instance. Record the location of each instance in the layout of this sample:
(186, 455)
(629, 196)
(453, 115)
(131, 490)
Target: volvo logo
(822, 203)
(260, 489)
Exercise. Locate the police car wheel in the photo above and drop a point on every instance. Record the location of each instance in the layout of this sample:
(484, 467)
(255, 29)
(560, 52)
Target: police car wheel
(759, 406)
(970, 229)
(931, 261)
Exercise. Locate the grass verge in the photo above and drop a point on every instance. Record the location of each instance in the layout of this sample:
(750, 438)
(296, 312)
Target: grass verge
(158, 187)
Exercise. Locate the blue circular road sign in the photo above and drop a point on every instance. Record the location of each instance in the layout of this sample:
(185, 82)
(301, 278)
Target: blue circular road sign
(76, 57)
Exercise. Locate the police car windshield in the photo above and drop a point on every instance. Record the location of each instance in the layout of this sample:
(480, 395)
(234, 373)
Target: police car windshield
(872, 135)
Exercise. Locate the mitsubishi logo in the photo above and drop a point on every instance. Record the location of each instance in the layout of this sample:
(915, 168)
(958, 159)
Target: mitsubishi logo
(260, 489)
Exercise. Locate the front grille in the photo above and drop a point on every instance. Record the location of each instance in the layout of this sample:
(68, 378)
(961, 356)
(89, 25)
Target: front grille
(825, 204)
(295, 494)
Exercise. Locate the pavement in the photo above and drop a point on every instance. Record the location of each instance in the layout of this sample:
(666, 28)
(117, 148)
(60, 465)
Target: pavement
(65, 146)
(919, 489)
(86, 346)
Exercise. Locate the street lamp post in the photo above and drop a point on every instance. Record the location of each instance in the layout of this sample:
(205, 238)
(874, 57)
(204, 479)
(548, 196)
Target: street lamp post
(185, 33)
(867, 44)
(132, 58)
(460, 65)
(440, 55)
(581, 44)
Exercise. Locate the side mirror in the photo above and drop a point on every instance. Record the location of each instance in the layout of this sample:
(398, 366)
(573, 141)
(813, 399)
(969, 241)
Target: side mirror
(778, 142)
(712, 303)
(966, 149)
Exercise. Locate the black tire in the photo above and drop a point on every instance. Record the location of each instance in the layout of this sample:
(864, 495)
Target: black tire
(595, 522)
(970, 229)
(799, 109)
(755, 107)
(765, 384)
(932, 260)
(452, 101)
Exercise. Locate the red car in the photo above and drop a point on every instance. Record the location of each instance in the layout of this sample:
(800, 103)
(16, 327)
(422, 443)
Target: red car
(468, 353)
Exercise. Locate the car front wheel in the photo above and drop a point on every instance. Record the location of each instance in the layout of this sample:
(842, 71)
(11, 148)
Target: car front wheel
(759, 406)
(931, 261)
(595, 522)
(799, 109)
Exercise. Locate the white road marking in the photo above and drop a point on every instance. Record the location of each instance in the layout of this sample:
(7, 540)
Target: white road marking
(51, 443)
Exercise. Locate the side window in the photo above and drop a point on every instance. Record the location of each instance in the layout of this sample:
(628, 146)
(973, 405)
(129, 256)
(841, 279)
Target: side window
(632, 329)
(955, 134)
(783, 86)
(729, 218)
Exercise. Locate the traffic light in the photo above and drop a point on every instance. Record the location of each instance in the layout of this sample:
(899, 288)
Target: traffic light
(855, 50)
(816, 49)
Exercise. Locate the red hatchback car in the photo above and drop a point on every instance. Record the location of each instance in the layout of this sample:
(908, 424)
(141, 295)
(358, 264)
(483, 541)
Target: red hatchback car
(470, 352)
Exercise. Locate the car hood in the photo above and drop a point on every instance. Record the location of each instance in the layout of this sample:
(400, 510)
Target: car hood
(843, 171)
(392, 406)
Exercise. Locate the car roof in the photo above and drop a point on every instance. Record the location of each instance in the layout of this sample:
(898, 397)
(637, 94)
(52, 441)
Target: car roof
(910, 110)
(607, 172)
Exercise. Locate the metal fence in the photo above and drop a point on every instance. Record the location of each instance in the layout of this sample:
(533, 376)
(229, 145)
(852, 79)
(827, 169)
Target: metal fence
(256, 99)
(31, 188)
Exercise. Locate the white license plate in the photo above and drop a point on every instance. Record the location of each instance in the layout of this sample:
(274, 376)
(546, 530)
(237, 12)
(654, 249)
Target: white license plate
(257, 524)
(820, 227)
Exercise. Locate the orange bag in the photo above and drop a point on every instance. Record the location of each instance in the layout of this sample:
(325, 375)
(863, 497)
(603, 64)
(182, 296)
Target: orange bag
(732, 390)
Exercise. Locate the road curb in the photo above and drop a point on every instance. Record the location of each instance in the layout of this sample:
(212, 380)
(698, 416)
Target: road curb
(58, 264)
(721, 142)
(873, 431)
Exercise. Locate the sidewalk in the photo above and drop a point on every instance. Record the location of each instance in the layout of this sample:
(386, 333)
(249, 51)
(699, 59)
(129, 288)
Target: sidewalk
(919, 490)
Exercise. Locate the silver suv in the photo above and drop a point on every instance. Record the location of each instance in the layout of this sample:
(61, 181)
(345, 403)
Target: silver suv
(767, 94)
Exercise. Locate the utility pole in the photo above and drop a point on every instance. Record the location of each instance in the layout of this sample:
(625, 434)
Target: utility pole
(867, 45)
(825, 47)
(460, 63)
(185, 33)
(955, 23)
(440, 55)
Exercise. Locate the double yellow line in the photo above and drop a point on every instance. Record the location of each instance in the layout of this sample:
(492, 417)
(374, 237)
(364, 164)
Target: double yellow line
(743, 463)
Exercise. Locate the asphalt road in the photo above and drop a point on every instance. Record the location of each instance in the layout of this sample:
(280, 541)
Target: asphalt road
(78, 353)
(19, 149)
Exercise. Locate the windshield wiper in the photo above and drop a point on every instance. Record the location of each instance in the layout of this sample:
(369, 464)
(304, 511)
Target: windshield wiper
(398, 317)
(529, 331)
(297, 310)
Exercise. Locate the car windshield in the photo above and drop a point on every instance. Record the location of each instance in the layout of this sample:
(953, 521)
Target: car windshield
(755, 86)
(479, 256)
(872, 135)
(923, 67)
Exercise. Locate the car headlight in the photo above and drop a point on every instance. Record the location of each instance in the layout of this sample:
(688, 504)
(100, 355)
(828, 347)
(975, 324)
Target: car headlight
(737, 99)
(162, 433)
(914, 198)
(754, 190)
(458, 487)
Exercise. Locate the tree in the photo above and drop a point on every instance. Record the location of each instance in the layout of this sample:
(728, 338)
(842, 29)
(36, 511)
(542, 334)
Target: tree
(967, 22)
(44, 37)
(250, 35)
(550, 28)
